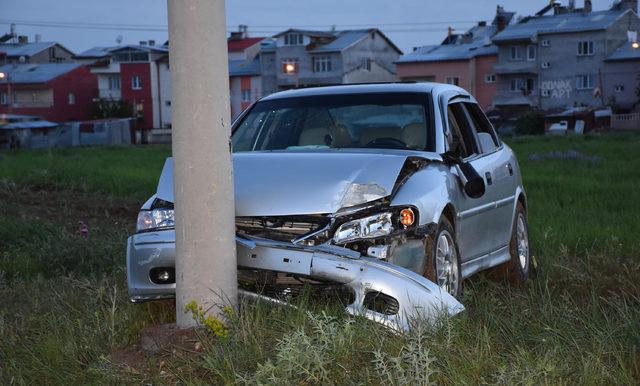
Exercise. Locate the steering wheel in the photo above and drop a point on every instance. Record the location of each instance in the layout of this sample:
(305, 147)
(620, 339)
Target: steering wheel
(386, 141)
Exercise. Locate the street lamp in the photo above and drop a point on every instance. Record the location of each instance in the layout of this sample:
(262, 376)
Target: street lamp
(290, 69)
(635, 45)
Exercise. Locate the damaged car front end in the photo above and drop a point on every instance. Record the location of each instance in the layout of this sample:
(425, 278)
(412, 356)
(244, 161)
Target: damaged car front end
(355, 188)
(370, 251)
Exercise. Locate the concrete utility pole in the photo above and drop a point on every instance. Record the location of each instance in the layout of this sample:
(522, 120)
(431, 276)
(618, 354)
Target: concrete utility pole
(203, 180)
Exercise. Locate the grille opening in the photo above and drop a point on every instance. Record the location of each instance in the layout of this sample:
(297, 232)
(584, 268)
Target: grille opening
(381, 303)
(162, 275)
(283, 286)
(283, 228)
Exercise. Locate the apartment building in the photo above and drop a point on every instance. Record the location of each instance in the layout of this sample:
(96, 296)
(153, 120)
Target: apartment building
(557, 59)
(302, 58)
(466, 60)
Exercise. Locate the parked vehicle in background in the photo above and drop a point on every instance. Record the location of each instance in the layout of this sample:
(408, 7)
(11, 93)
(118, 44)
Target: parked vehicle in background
(394, 193)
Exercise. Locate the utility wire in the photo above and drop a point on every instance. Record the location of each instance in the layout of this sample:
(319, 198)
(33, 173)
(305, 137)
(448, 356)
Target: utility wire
(258, 29)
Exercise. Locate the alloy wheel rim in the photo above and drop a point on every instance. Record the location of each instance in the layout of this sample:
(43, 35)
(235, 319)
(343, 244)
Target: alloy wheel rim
(522, 241)
(446, 263)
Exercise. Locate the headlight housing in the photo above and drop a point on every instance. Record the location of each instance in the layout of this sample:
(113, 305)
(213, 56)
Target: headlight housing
(364, 228)
(155, 219)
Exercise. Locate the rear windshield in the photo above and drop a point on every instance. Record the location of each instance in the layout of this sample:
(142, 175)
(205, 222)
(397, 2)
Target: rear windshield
(391, 121)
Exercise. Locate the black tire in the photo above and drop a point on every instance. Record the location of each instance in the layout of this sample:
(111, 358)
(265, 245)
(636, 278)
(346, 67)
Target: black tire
(518, 269)
(446, 230)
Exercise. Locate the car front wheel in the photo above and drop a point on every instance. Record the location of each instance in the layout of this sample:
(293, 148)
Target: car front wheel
(442, 263)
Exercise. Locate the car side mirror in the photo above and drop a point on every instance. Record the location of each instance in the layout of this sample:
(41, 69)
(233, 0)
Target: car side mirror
(472, 182)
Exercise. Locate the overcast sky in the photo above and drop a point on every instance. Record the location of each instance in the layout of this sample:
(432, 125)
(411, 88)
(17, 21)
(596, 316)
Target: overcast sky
(408, 23)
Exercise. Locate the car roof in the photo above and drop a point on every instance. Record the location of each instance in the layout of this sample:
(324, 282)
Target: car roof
(413, 87)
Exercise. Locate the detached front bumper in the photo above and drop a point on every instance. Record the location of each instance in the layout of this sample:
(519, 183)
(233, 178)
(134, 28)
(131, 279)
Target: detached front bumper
(409, 295)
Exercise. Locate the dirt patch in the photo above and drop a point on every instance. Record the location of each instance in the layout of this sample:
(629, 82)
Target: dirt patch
(74, 210)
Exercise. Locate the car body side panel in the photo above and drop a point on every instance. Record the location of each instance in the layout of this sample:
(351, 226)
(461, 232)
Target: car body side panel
(429, 189)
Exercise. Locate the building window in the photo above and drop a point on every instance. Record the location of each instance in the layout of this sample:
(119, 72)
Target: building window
(531, 53)
(322, 64)
(366, 63)
(114, 82)
(452, 80)
(545, 65)
(52, 54)
(293, 39)
(72, 98)
(136, 82)
(3, 99)
(246, 95)
(585, 48)
(516, 85)
(585, 82)
(619, 88)
(516, 53)
(290, 66)
(545, 43)
(490, 78)
(34, 98)
(131, 56)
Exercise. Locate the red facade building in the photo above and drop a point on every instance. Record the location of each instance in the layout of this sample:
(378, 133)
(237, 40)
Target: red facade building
(57, 92)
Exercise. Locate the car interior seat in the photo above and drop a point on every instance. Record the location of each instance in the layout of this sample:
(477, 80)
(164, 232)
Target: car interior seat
(415, 135)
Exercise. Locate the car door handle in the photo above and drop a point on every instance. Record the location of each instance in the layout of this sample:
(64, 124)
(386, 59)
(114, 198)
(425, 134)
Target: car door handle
(510, 168)
(488, 177)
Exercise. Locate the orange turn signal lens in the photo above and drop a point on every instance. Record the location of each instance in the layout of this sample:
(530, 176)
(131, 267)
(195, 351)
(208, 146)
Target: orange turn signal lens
(406, 217)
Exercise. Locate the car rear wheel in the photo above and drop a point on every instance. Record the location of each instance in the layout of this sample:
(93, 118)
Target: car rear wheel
(442, 260)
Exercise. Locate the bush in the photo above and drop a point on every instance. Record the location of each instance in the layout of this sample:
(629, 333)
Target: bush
(530, 124)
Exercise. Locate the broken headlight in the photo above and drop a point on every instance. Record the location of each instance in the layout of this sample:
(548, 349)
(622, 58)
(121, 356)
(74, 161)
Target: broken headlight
(364, 228)
(154, 219)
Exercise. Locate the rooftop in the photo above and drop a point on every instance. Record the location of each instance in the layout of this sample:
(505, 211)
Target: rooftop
(529, 27)
(235, 45)
(25, 49)
(96, 52)
(37, 73)
(476, 43)
(625, 52)
(244, 67)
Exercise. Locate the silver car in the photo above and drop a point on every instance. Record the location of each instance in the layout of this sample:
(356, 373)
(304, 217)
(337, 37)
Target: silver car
(391, 193)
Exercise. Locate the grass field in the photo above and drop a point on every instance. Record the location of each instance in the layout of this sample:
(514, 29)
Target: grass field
(65, 318)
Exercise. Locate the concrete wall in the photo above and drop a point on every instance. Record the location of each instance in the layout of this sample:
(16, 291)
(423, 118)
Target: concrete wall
(376, 74)
(483, 90)
(624, 74)
(305, 75)
(376, 48)
(268, 69)
(164, 83)
(556, 86)
(239, 83)
(471, 74)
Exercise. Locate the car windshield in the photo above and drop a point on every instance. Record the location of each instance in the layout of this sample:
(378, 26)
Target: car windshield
(390, 121)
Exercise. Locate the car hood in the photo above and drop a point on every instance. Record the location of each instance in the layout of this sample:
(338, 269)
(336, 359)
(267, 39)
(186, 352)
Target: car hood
(287, 183)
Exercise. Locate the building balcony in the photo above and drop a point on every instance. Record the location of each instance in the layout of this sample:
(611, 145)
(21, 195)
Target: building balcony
(523, 67)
